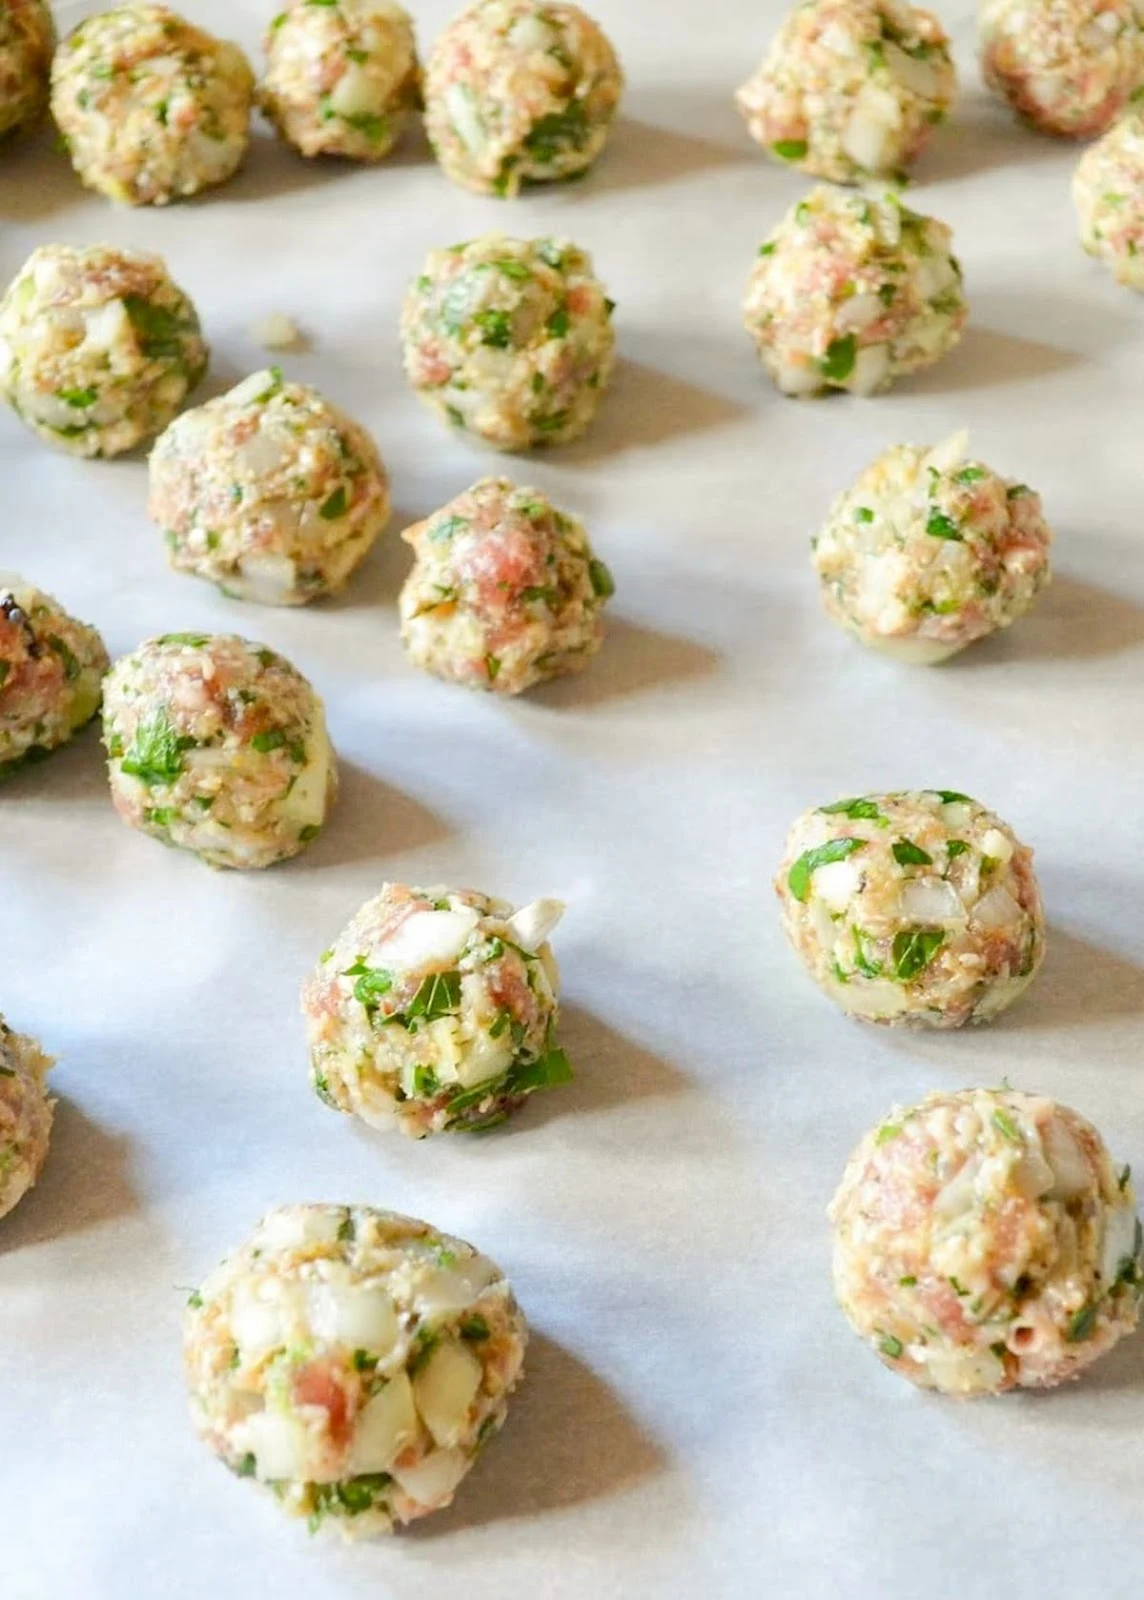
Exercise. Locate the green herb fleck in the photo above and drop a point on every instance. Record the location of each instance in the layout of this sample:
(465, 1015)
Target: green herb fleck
(798, 879)
(789, 149)
(1083, 1325)
(908, 854)
(913, 950)
(155, 756)
(603, 584)
(939, 526)
(858, 809)
(890, 1346)
(838, 362)
(335, 506)
(1004, 1123)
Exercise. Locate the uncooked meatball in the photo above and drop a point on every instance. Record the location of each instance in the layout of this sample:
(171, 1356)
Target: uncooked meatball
(505, 591)
(435, 1010)
(1065, 66)
(50, 672)
(353, 1361)
(268, 491)
(984, 1241)
(852, 291)
(25, 1115)
(342, 77)
(1108, 192)
(520, 92)
(219, 746)
(931, 550)
(152, 108)
(98, 347)
(27, 40)
(510, 339)
(851, 89)
(918, 908)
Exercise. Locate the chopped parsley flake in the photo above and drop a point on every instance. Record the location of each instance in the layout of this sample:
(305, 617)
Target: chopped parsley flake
(798, 879)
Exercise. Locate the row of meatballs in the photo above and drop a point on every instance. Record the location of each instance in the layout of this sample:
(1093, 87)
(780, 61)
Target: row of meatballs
(518, 92)
(153, 109)
(354, 1362)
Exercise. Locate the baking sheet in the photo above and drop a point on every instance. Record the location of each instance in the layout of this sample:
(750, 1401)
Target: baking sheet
(698, 1419)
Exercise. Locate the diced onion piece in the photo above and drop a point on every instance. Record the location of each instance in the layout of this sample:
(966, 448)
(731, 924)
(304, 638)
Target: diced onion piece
(859, 311)
(353, 93)
(532, 924)
(267, 580)
(306, 802)
(483, 1058)
(276, 331)
(279, 1445)
(1072, 1173)
(956, 1197)
(386, 1425)
(916, 649)
(877, 998)
(871, 367)
(918, 76)
(1119, 1242)
(930, 900)
(443, 1291)
(259, 1325)
(961, 1372)
(798, 378)
(463, 115)
(996, 845)
(445, 1388)
(949, 453)
(996, 908)
(299, 1225)
(432, 1481)
(836, 883)
(427, 939)
(348, 1313)
(106, 326)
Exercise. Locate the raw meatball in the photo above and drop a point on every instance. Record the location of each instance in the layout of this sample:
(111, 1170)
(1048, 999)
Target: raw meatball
(505, 591)
(341, 77)
(25, 1115)
(914, 908)
(931, 550)
(1108, 192)
(851, 89)
(50, 672)
(435, 1010)
(219, 746)
(1065, 66)
(984, 1241)
(27, 39)
(511, 339)
(268, 491)
(852, 291)
(354, 1361)
(98, 348)
(520, 92)
(152, 108)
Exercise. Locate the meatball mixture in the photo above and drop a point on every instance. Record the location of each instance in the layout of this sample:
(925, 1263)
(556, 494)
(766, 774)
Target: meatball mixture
(353, 1361)
(435, 1010)
(520, 92)
(851, 89)
(218, 746)
(98, 347)
(25, 1115)
(1065, 66)
(152, 109)
(914, 908)
(505, 591)
(268, 491)
(984, 1241)
(852, 291)
(931, 550)
(510, 339)
(27, 40)
(50, 672)
(1108, 192)
(341, 77)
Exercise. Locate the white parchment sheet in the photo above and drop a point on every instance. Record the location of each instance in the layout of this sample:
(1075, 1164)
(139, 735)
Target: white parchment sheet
(698, 1420)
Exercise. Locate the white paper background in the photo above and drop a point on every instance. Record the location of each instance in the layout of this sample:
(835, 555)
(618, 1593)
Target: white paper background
(698, 1420)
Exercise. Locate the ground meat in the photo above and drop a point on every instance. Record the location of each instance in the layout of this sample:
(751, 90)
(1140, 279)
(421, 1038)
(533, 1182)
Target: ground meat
(342, 78)
(851, 89)
(435, 1010)
(914, 908)
(931, 550)
(353, 1361)
(25, 1115)
(268, 491)
(505, 592)
(98, 347)
(984, 1241)
(51, 667)
(510, 339)
(520, 92)
(1065, 66)
(1108, 192)
(152, 108)
(852, 291)
(27, 39)
(218, 746)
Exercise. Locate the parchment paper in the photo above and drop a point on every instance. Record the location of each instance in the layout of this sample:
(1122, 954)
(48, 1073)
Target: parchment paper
(698, 1420)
